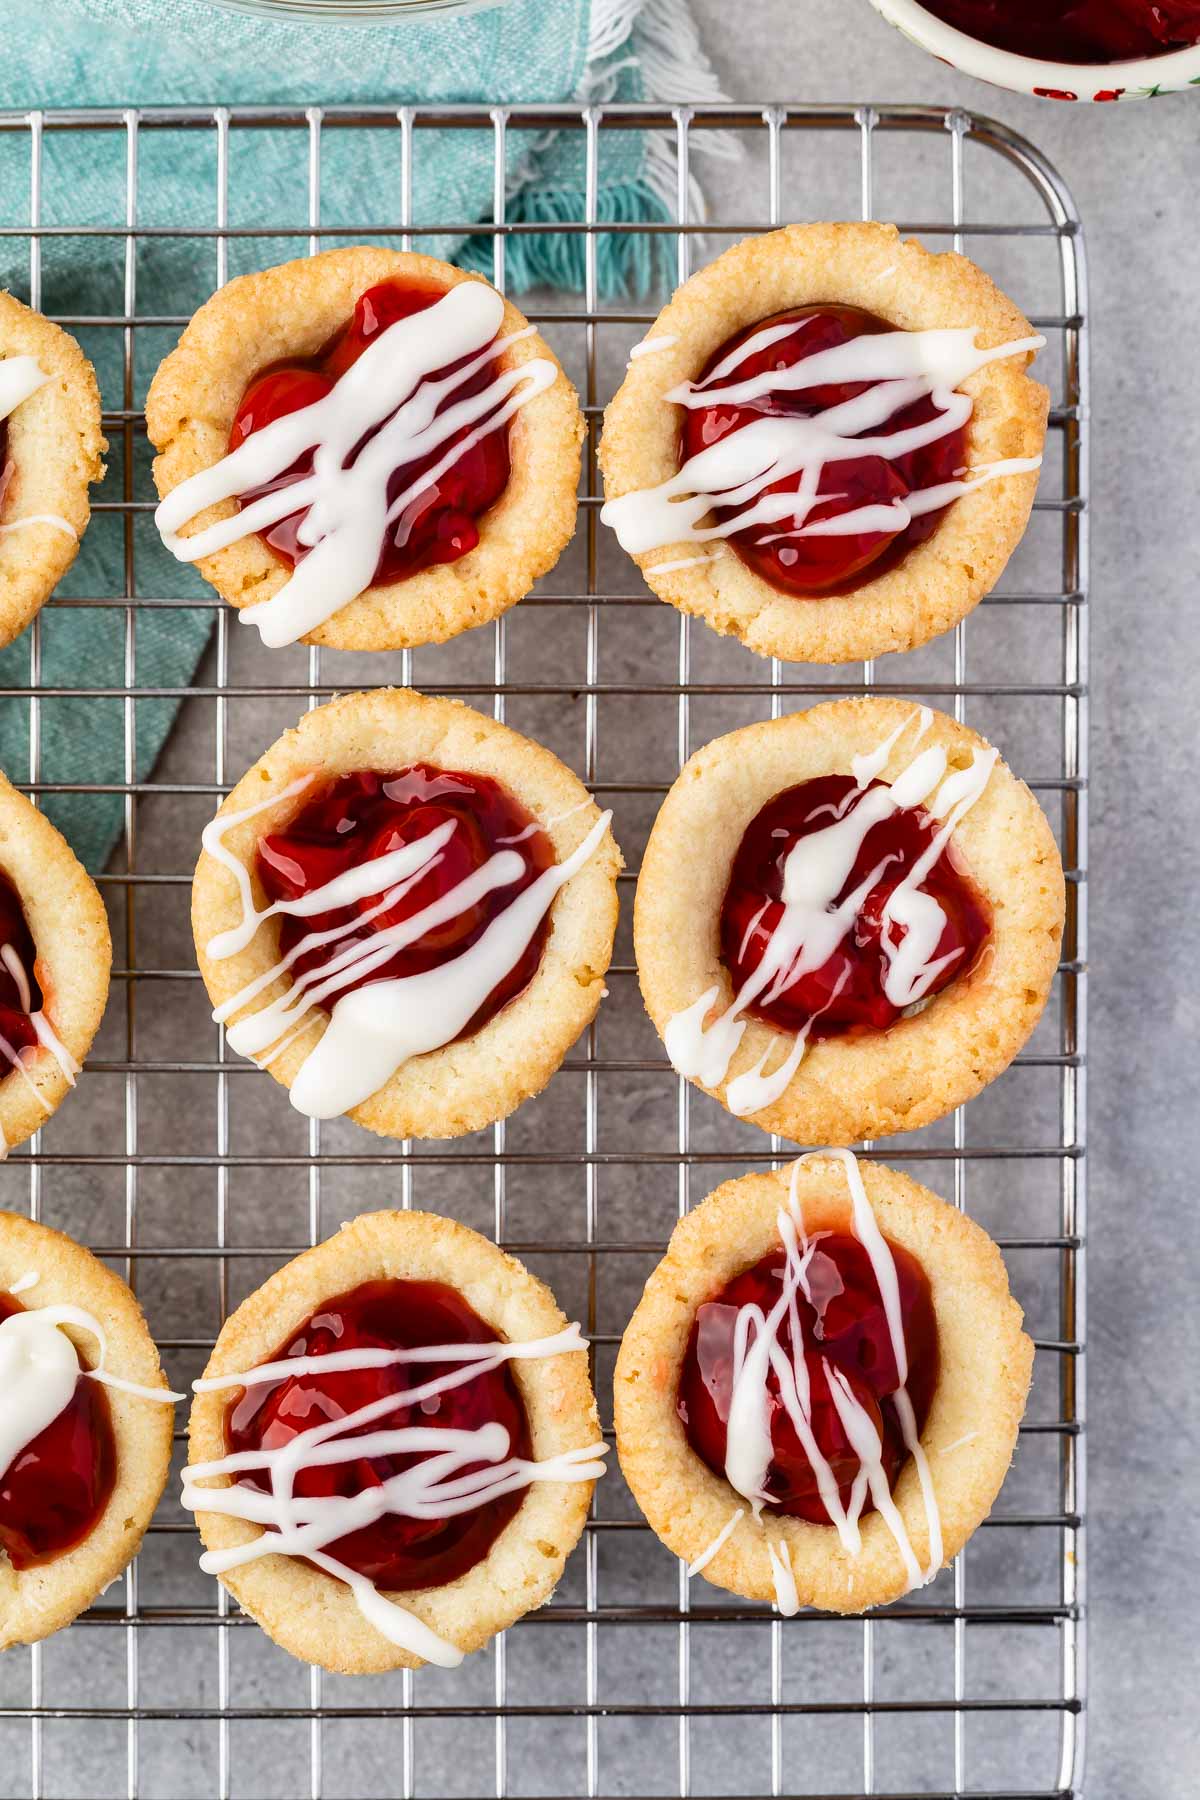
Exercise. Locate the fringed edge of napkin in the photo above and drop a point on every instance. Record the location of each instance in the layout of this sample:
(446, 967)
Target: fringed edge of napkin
(656, 45)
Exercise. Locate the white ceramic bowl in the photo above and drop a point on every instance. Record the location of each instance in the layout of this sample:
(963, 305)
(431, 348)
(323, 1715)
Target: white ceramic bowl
(1140, 80)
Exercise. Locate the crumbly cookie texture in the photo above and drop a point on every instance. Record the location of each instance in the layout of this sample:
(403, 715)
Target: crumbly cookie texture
(292, 311)
(479, 1079)
(74, 956)
(850, 1088)
(35, 1602)
(864, 265)
(313, 1615)
(55, 446)
(985, 1362)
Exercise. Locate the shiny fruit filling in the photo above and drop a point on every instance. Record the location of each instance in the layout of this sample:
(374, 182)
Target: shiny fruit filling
(809, 567)
(54, 1492)
(360, 817)
(18, 954)
(845, 996)
(442, 522)
(1076, 31)
(842, 1322)
(396, 1553)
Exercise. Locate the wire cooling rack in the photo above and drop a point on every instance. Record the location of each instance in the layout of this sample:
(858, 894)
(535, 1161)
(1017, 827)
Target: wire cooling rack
(191, 1174)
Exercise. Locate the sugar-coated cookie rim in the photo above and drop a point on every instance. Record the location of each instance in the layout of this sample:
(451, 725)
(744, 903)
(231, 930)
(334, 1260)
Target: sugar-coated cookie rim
(293, 310)
(309, 1613)
(74, 956)
(472, 1083)
(985, 1365)
(847, 1089)
(55, 444)
(856, 264)
(38, 1601)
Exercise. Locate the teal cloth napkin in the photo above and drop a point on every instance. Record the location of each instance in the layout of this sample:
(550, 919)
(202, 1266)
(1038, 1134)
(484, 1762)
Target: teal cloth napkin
(147, 52)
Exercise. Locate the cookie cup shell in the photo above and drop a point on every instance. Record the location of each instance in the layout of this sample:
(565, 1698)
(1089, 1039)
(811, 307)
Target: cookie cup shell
(66, 916)
(868, 266)
(35, 1602)
(850, 1088)
(476, 1080)
(292, 311)
(313, 1615)
(55, 446)
(985, 1364)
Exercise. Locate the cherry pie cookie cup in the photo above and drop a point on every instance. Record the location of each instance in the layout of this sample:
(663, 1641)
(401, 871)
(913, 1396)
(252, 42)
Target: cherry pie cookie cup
(77, 1495)
(968, 1372)
(51, 447)
(395, 1279)
(938, 519)
(55, 957)
(399, 560)
(488, 837)
(848, 919)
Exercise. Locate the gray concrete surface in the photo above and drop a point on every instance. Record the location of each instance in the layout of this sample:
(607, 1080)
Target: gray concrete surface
(1134, 172)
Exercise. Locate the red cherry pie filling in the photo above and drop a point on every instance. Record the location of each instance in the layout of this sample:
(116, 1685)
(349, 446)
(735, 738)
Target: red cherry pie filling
(442, 522)
(54, 1492)
(363, 816)
(20, 995)
(1076, 31)
(808, 567)
(397, 1553)
(844, 997)
(842, 1325)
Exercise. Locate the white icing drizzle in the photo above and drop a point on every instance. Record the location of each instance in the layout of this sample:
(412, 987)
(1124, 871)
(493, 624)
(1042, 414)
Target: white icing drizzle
(374, 1030)
(48, 1038)
(736, 472)
(388, 391)
(813, 924)
(687, 562)
(54, 519)
(20, 376)
(433, 1487)
(29, 1280)
(39, 1368)
(968, 1437)
(651, 346)
(759, 1352)
(719, 1542)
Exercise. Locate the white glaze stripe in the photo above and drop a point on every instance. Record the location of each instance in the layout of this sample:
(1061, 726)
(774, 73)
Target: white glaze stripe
(374, 1030)
(719, 1542)
(54, 519)
(433, 1487)
(758, 1352)
(388, 391)
(46, 1035)
(736, 472)
(20, 377)
(812, 926)
(39, 1369)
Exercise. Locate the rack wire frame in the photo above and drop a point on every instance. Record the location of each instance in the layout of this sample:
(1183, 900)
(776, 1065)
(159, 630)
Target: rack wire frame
(137, 1611)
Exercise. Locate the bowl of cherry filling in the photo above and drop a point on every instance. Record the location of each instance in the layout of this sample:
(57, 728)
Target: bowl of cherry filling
(1061, 49)
(394, 1445)
(827, 445)
(51, 446)
(405, 912)
(367, 449)
(818, 1396)
(85, 1429)
(847, 920)
(55, 957)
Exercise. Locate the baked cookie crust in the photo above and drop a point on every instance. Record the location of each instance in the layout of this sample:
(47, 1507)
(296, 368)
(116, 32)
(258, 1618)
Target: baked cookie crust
(985, 1363)
(850, 1088)
(35, 1602)
(74, 957)
(313, 1615)
(865, 265)
(292, 311)
(477, 1080)
(55, 446)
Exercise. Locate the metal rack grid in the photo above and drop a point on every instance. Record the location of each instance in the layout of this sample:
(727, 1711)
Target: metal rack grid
(627, 1682)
